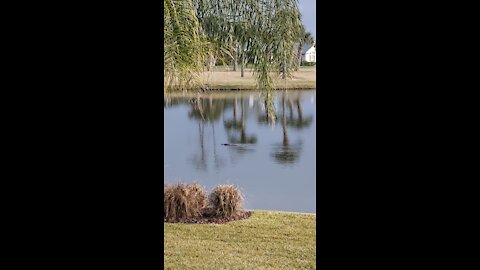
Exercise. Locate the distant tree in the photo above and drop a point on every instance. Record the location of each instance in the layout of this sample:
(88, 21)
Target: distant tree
(304, 38)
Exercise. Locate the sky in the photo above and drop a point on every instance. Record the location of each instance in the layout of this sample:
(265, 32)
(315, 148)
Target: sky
(308, 9)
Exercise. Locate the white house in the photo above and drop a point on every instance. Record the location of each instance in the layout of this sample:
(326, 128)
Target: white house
(310, 55)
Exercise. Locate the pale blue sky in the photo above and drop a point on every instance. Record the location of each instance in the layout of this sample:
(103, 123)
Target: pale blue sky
(308, 9)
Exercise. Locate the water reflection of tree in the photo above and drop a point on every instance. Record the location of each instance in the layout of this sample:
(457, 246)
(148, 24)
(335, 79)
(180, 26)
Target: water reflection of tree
(269, 108)
(218, 161)
(300, 122)
(169, 101)
(286, 153)
(209, 110)
(239, 134)
(268, 117)
(206, 110)
(201, 162)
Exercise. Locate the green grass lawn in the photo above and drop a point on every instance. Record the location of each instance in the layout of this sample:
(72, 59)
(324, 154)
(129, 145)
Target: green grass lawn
(266, 240)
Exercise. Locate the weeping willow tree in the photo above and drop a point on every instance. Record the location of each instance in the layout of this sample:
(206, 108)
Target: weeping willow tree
(185, 48)
(197, 32)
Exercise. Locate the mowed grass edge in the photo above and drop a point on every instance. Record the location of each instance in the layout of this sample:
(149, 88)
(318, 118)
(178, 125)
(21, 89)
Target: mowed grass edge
(266, 240)
(222, 79)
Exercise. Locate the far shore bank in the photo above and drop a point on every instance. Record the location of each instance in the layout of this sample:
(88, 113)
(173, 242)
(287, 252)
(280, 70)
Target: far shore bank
(224, 78)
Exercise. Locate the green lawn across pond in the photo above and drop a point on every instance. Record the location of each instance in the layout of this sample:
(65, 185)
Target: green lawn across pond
(266, 240)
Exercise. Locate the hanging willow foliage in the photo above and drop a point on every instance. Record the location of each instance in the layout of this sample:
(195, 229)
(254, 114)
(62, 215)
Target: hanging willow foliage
(185, 50)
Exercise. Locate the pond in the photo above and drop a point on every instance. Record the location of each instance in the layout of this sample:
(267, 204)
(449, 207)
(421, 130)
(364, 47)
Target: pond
(227, 137)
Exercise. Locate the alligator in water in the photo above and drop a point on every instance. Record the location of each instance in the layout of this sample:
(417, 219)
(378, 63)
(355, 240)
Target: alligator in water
(227, 144)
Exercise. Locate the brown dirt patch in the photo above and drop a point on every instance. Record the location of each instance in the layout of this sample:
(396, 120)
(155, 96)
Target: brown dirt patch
(209, 218)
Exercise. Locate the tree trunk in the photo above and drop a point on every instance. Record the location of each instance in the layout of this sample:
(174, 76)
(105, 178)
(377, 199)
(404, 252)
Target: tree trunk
(234, 61)
(211, 62)
(242, 64)
(284, 69)
(299, 55)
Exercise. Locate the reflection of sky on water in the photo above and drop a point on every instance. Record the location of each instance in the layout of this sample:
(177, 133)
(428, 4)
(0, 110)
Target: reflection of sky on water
(273, 164)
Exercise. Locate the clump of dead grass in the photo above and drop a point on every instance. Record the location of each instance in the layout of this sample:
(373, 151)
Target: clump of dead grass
(189, 204)
(182, 202)
(226, 201)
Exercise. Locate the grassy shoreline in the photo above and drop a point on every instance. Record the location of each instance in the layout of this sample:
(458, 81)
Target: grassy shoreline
(266, 240)
(307, 85)
(223, 78)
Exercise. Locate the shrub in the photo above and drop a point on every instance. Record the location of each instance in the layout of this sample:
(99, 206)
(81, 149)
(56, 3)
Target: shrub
(183, 202)
(197, 197)
(226, 201)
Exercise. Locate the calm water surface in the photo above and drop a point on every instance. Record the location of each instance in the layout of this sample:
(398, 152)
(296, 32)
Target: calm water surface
(273, 163)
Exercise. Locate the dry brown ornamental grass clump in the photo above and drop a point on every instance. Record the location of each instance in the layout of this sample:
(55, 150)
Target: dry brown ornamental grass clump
(182, 202)
(226, 201)
(198, 197)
